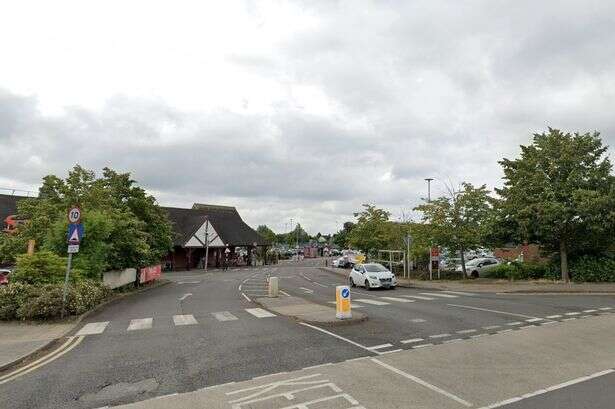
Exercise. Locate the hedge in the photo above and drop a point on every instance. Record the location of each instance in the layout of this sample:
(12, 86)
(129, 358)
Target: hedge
(38, 302)
(523, 271)
(583, 269)
(43, 267)
(593, 269)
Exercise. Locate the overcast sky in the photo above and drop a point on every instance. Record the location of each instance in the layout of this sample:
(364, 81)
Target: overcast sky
(296, 109)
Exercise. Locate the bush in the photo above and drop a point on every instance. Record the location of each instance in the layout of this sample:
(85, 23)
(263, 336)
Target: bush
(522, 271)
(593, 269)
(43, 267)
(37, 302)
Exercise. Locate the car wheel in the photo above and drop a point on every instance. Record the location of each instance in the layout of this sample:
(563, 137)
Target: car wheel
(392, 287)
(474, 274)
(367, 287)
(352, 284)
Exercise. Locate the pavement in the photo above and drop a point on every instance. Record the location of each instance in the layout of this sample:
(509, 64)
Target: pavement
(204, 341)
(306, 311)
(20, 340)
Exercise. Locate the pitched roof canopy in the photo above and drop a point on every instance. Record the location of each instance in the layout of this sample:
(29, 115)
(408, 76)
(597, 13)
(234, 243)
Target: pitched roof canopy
(225, 220)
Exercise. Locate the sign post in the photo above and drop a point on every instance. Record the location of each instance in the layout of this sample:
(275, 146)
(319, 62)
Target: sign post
(75, 233)
(342, 302)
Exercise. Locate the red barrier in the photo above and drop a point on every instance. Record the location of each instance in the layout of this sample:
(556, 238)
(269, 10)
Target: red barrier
(150, 273)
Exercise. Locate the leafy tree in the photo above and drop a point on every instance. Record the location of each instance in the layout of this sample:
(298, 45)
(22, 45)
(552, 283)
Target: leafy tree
(124, 226)
(267, 233)
(561, 194)
(458, 221)
(371, 231)
(340, 238)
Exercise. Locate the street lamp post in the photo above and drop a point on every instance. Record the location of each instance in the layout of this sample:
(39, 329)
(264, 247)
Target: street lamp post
(430, 245)
(428, 189)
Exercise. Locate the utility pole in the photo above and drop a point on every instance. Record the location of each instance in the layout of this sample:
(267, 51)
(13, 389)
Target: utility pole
(206, 244)
(430, 244)
(428, 189)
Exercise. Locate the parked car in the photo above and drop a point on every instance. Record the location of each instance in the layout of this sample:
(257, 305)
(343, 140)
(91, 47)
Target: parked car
(341, 262)
(476, 267)
(4, 276)
(372, 275)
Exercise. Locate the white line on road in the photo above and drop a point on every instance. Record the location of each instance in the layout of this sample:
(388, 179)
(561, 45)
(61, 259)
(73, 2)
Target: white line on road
(411, 341)
(554, 316)
(466, 331)
(396, 299)
(487, 310)
(372, 302)
(187, 319)
(422, 382)
(440, 295)
(380, 346)
(417, 320)
(139, 324)
(183, 297)
(93, 328)
(188, 282)
(534, 320)
(605, 308)
(224, 316)
(422, 346)
(259, 312)
(459, 293)
(419, 297)
(514, 323)
(573, 313)
(307, 290)
(285, 293)
(246, 297)
(590, 310)
(549, 389)
(489, 327)
(440, 336)
(339, 337)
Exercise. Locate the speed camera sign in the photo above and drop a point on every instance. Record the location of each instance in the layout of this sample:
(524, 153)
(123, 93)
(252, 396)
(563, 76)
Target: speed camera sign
(74, 215)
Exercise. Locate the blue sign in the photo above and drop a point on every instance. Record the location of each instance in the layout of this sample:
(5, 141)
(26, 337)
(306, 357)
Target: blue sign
(75, 233)
(345, 293)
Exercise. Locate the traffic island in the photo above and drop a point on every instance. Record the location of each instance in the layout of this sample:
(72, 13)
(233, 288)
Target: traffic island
(307, 311)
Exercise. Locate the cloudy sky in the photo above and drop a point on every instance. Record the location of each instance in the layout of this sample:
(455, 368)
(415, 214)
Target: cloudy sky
(296, 109)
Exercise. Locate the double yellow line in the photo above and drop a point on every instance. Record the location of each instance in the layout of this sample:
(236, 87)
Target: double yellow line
(71, 343)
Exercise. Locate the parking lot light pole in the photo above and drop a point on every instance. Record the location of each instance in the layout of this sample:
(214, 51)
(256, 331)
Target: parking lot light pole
(430, 244)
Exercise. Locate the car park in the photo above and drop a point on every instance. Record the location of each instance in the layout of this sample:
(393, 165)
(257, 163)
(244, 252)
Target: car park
(372, 275)
(476, 268)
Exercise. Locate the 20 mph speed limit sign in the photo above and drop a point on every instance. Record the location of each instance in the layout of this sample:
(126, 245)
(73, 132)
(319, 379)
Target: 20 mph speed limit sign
(74, 215)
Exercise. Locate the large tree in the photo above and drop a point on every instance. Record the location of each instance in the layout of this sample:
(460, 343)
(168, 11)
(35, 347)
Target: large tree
(561, 194)
(457, 221)
(371, 231)
(267, 233)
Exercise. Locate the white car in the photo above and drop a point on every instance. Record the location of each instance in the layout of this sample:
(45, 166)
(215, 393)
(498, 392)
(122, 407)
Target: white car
(476, 267)
(372, 275)
(340, 262)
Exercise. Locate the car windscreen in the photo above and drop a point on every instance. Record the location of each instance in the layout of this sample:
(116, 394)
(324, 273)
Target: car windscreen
(374, 268)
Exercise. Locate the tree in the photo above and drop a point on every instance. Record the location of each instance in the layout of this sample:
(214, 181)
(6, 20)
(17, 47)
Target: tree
(340, 238)
(560, 193)
(266, 233)
(457, 221)
(124, 227)
(371, 231)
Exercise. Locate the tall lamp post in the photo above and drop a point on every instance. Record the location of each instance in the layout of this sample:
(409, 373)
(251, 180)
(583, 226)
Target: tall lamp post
(430, 245)
(428, 189)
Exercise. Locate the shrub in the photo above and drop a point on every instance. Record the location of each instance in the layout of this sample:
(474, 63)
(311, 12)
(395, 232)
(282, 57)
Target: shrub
(43, 267)
(37, 302)
(593, 269)
(521, 271)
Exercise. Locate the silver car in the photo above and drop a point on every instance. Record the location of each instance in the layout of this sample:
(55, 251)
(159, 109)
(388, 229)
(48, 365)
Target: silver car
(476, 267)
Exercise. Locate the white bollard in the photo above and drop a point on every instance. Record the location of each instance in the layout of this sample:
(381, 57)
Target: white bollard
(273, 287)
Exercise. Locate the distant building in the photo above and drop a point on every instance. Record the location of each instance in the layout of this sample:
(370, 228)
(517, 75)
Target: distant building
(522, 252)
(221, 226)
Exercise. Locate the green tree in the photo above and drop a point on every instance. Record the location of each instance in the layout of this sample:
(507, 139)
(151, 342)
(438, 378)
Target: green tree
(267, 233)
(371, 231)
(560, 193)
(340, 238)
(457, 222)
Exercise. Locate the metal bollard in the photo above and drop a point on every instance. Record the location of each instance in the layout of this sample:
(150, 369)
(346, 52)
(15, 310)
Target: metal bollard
(273, 287)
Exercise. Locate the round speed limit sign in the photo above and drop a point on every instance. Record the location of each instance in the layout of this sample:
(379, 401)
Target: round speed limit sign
(74, 215)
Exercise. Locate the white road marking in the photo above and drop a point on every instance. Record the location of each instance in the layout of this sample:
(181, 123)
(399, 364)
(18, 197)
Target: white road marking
(569, 319)
(489, 327)
(534, 320)
(515, 323)
(605, 308)
(246, 297)
(285, 293)
(224, 316)
(259, 312)
(422, 382)
(322, 285)
(372, 302)
(527, 326)
(440, 336)
(339, 337)
(93, 328)
(380, 346)
(187, 319)
(390, 352)
(417, 320)
(487, 310)
(450, 341)
(440, 295)
(466, 331)
(590, 310)
(422, 346)
(549, 389)
(396, 299)
(459, 293)
(554, 316)
(139, 324)
(418, 297)
(183, 297)
(572, 313)
(307, 290)
(188, 282)
(411, 341)
(478, 335)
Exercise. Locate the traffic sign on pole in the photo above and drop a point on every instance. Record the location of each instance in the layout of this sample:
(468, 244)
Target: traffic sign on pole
(75, 233)
(74, 215)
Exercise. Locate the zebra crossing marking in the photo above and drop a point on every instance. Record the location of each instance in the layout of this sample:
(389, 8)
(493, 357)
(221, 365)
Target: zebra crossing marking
(93, 328)
(224, 316)
(441, 295)
(372, 302)
(184, 320)
(259, 312)
(396, 299)
(419, 297)
(459, 293)
(140, 324)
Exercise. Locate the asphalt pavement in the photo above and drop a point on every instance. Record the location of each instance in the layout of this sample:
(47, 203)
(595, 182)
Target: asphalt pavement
(205, 330)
